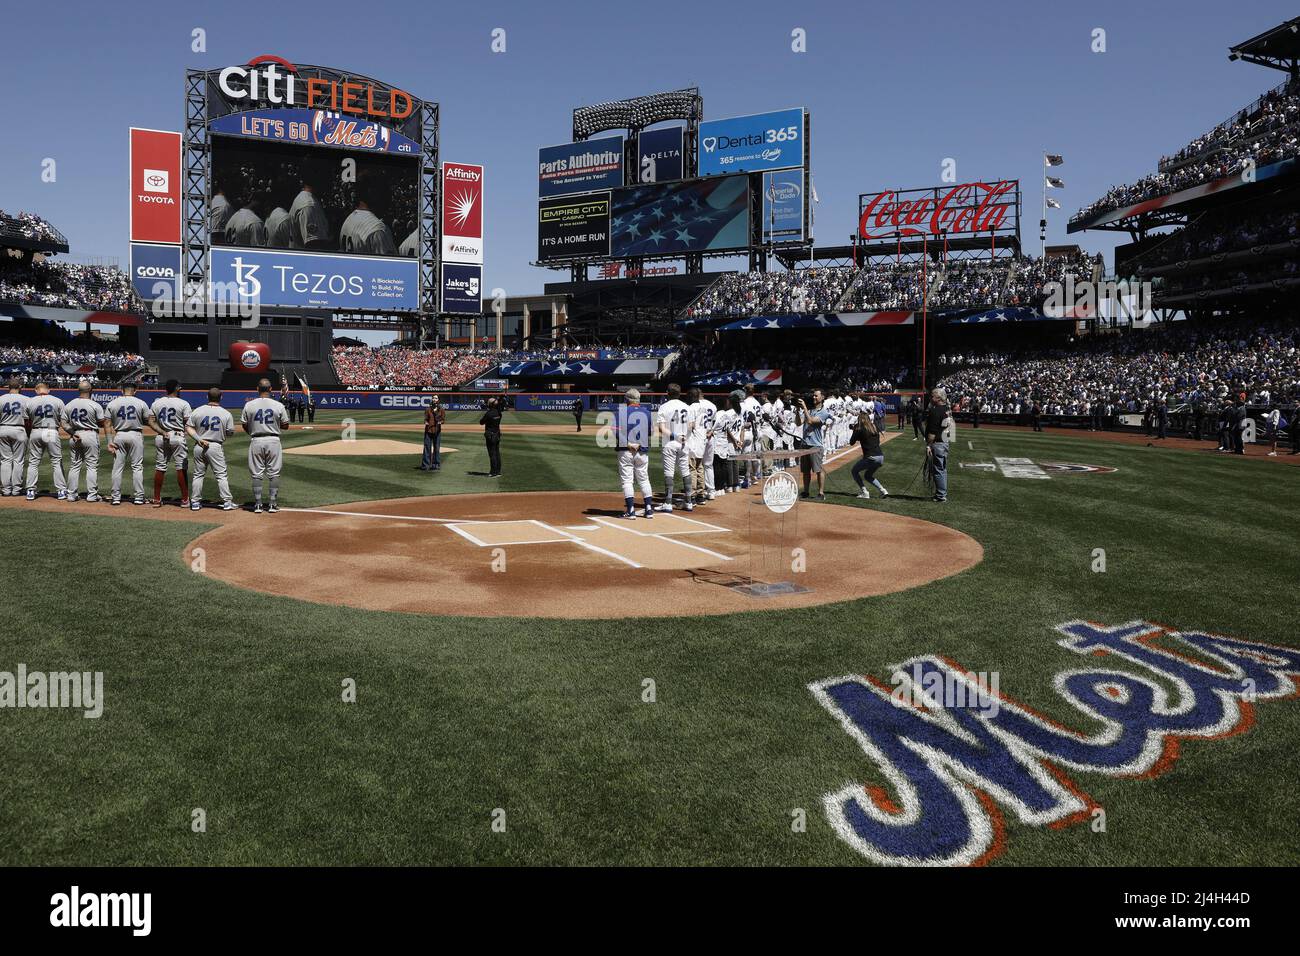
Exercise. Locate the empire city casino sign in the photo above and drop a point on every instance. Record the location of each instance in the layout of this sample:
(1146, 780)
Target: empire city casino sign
(968, 208)
(275, 80)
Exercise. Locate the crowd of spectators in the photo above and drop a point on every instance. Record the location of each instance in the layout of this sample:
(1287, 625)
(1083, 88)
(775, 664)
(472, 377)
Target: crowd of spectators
(743, 294)
(877, 370)
(964, 283)
(29, 226)
(1213, 235)
(66, 285)
(62, 364)
(399, 366)
(1265, 133)
(1181, 364)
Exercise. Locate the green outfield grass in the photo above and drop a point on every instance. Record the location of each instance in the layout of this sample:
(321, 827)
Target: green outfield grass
(229, 700)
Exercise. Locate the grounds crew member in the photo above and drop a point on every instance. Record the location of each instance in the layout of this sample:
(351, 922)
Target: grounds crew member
(13, 438)
(44, 414)
(127, 416)
(82, 420)
(210, 426)
(263, 419)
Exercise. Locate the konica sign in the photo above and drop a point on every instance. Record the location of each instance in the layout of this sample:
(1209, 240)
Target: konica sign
(746, 144)
(311, 280)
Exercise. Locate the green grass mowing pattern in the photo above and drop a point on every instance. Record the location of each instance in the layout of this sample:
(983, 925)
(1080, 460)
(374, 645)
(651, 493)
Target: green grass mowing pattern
(229, 700)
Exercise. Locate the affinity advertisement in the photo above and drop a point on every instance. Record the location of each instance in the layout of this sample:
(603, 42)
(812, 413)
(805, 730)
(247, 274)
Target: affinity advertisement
(588, 166)
(747, 144)
(462, 213)
(307, 280)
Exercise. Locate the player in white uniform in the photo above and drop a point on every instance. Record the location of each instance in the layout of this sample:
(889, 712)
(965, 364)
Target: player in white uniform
(674, 425)
(364, 231)
(410, 246)
(44, 415)
(749, 412)
(634, 431)
(210, 426)
(278, 228)
(83, 418)
(169, 415)
(727, 431)
(263, 419)
(308, 228)
(699, 444)
(13, 438)
(245, 228)
(766, 432)
(219, 212)
(127, 416)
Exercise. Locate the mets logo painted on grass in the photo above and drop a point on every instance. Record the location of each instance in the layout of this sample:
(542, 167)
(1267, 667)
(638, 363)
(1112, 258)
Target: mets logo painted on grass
(954, 762)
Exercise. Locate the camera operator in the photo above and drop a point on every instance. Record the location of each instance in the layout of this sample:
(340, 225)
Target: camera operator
(491, 422)
(811, 464)
(936, 444)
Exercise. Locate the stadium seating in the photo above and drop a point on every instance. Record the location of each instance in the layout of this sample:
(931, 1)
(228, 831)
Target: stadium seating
(66, 285)
(398, 366)
(1182, 364)
(1264, 133)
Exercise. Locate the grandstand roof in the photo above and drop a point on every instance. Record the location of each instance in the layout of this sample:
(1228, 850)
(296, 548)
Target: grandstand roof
(1277, 48)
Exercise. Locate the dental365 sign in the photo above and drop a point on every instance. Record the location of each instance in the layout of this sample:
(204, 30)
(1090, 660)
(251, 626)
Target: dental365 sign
(745, 144)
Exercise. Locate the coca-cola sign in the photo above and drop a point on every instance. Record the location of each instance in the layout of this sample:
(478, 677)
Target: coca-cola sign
(968, 208)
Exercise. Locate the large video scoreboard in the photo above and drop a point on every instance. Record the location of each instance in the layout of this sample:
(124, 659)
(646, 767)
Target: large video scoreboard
(632, 194)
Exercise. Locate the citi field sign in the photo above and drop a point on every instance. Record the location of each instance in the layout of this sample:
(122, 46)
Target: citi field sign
(966, 209)
(274, 80)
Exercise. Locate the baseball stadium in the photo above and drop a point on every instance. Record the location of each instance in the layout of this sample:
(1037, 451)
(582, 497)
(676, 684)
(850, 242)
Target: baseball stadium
(741, 514)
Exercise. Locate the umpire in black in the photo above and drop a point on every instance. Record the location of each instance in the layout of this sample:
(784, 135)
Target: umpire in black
(491, 422)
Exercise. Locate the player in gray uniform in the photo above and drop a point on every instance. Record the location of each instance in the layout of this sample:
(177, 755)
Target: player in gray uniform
(168, 415)
(44, 415)
(127, 416)
(82, 420)
(263, 419)
(13, 438)
(210, 426)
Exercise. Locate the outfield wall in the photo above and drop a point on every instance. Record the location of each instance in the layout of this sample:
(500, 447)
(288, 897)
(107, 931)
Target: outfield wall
(358, 401)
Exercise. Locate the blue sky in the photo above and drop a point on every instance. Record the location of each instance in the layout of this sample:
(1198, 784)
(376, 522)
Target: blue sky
(893, 90)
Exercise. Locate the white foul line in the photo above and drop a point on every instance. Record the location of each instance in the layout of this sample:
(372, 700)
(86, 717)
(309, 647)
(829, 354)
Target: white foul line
(363, 514)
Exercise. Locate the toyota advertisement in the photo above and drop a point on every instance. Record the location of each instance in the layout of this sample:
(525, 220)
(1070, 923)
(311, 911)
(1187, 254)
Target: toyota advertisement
(582, 167)
(306, 280)
(155, 160)
(747, 144)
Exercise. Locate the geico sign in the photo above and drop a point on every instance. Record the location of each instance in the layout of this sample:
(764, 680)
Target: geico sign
(276, 81)
(403, 401)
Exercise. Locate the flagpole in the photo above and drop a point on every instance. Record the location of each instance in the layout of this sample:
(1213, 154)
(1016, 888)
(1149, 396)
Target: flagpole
(1042, 232)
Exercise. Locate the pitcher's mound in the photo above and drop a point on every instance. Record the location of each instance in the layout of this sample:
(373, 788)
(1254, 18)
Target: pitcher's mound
(361, 446)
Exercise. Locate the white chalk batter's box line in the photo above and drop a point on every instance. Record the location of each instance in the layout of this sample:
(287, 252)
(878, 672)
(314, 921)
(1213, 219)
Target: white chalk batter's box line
(665, 537)
(459, 528)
